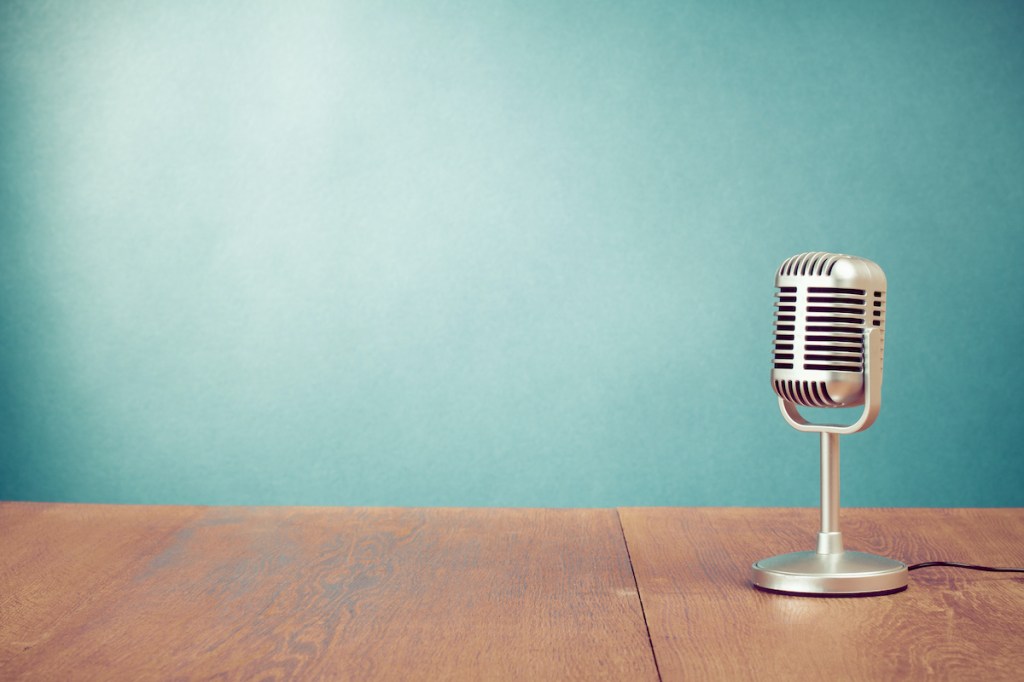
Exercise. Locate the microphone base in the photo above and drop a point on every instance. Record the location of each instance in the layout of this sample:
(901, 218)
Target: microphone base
(853, 574)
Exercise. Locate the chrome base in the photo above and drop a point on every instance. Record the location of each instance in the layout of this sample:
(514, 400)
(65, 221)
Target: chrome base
(847, 573)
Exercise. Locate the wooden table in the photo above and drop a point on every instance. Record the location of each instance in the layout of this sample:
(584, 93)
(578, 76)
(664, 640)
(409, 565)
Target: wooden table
(130, 592)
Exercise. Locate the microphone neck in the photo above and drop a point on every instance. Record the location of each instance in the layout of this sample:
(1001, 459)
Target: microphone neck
(830, 540)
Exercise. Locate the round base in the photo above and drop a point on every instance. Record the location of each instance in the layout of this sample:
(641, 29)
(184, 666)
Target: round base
(848, 573)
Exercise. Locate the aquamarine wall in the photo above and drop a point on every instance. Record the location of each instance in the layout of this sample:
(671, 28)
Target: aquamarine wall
(498, 253)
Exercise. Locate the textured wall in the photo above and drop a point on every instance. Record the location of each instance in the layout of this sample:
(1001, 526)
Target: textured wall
(510, 253)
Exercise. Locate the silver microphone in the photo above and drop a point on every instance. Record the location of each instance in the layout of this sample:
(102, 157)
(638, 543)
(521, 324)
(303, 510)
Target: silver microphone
(829, 331)
(824, 303)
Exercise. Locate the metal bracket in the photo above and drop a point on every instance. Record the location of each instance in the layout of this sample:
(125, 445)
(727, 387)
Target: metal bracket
(872, 395)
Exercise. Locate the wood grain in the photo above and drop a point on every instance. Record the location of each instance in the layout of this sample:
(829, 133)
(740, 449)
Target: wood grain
(117, 592)
(706, 621)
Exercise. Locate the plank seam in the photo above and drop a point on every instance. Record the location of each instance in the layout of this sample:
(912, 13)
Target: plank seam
(639, 597)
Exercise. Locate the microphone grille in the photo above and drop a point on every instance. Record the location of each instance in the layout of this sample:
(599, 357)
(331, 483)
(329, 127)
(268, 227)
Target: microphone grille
(824, 303)
(811, 263)
(807, 393)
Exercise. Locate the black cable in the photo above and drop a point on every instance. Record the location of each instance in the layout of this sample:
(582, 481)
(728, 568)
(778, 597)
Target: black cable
(956, 564)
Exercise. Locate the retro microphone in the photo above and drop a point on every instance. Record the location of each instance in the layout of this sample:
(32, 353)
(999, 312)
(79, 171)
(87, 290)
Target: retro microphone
(829, 334)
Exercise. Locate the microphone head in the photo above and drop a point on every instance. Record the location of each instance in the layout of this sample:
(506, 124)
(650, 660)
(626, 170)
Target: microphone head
(824, 302)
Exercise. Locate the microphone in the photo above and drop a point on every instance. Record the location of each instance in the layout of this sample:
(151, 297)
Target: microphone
(824, 304)
(829, 334)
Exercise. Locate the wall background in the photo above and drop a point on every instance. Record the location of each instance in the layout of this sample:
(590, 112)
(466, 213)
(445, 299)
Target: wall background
(498, 253)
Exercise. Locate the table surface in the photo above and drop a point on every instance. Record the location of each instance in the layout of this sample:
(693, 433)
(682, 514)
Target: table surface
(144, 592)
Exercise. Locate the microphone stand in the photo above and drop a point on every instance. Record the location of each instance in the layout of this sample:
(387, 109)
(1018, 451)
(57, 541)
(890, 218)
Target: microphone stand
(830, 540)
(831, 570)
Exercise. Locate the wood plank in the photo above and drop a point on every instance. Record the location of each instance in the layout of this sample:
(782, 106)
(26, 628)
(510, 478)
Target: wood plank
(241, 593)
(707, 621)
(58, 562)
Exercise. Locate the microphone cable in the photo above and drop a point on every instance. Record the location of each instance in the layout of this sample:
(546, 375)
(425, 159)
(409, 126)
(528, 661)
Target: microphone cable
(973, 567)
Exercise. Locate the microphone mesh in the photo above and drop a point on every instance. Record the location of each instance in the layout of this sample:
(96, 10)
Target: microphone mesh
(813, 263)
(823, 304)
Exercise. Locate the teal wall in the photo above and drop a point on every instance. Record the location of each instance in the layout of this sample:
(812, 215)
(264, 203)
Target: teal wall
(498, 253)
